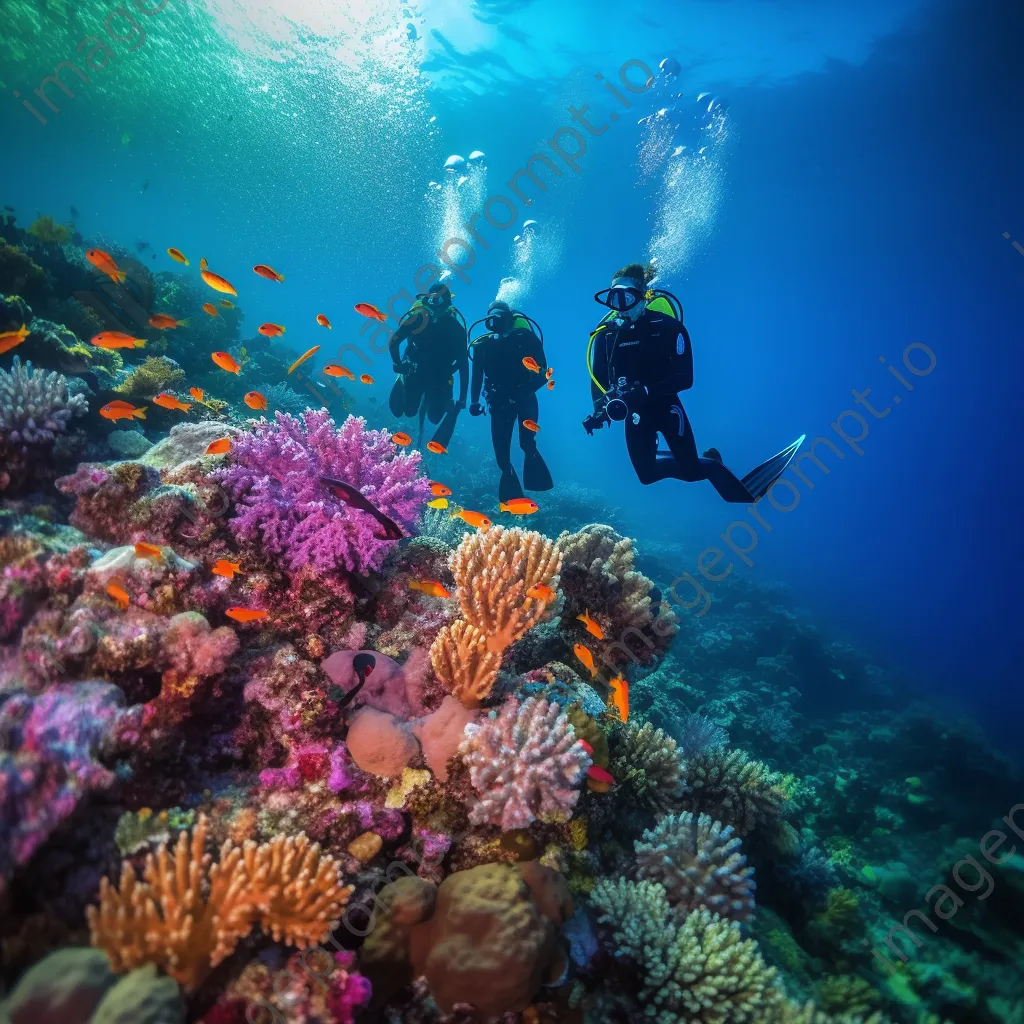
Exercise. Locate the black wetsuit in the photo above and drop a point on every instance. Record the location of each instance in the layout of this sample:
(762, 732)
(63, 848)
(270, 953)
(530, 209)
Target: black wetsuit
(654, 352)
(510, 390)
(435, 351)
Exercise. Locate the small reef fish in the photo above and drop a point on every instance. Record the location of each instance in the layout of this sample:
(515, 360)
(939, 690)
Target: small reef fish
(122, 411)
(352, 496)
(477, 519)
(203, 263)
(519, 506)
(163, 322)
(599, 780)
(211, 309)
(268, 272)
(431, 587)
(585, 745)
(402, 438)
(368, 309)
(305, 355)
(618, 699)
(11, 339)
(592, 627)
(104, 262)
(551, 385)
(333, 370)
(437, 503)
(222, 567)
(226, 362)
(323, 321)
(271, 330)
(440, 490)
(219, 447)
(119, 595)
(178, 256)
(227, 304)
(541, 592)
(246, 614)
(196, 393)
(549, 372)
(115, 339)
(146, 550)
(255, 400)
(216, 282)
(531, 364)
(583, 652)
(531, 425)
(166, 401)
(437, 448)
(365, 378)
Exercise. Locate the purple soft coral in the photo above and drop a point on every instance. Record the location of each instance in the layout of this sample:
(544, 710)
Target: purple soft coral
(282, 505)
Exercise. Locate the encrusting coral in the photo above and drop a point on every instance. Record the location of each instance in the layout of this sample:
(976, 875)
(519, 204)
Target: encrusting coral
(187, 915)
(646, 762)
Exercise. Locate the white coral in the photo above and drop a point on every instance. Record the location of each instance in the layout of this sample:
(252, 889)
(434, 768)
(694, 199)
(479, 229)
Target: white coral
(35, 406)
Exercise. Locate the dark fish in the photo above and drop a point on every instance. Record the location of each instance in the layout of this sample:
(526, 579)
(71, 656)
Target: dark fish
(363, 664)
(145, 185)
(74, 213)
(349, 494)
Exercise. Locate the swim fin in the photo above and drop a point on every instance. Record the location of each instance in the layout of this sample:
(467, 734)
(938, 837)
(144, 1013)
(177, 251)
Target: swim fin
(446, 428)
(396, 400)
(536, 475)
(759, 480)
(509, 487)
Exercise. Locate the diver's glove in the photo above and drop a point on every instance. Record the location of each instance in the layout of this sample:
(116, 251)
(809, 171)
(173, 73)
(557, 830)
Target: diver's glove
(596, 421)
(476, 409)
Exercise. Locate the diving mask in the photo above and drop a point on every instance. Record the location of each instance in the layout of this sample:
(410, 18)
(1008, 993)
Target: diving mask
(621, 297)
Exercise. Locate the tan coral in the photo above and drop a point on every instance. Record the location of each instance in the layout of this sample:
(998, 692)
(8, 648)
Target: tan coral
(494, 570)
(463, 663)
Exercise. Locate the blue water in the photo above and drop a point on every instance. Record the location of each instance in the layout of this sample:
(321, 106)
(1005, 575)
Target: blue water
(868, 161)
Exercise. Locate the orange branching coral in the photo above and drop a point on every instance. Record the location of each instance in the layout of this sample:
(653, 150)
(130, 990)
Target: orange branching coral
(494, 570)
(463, 663)
(188, 915)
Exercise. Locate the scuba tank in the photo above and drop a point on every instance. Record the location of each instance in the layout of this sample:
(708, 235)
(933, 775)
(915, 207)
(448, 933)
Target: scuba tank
(662, 301)
(519, 321)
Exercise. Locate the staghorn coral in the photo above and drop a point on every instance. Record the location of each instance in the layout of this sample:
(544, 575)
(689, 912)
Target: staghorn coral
(493, 571)
(35, 406)
(462, 661)
(187, 915)
(808, 1013)
(698, 863)
(646, 762)
(156, 374)
(731, 788)
(525, 763)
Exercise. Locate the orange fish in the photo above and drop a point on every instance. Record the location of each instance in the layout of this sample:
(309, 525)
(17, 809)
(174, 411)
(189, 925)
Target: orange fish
(531, 364)
(366, 378)
(209, 307)
(593, 628)
(333, 370)
(144, 550)
(268, 272)
(401, 438)
(549, 372)
(599, 780)
(551, 385)
(226, 362)
(584, 654)
(519, 506)
(270, 330)
(222, 567)
(439, 490)
(10, 339)
(166, 401)
(203, 264)
(431, 587)
(216, 282)
(477, 519)
(246, 614)
(115, 339)
(196, 393)
(163, 322)
(122, 411)
(119, 594)
(541, 592)
(368, 309)
(219, 447)
(255, 400)
(436, 447)
(227, 304)
(305, 355)
(618, 699)
(179, 256)
(323, 321)
(531, 426)
(104, 262)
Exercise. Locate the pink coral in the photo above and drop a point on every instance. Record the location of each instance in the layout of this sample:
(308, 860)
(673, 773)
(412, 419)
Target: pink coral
(386, 687)
(525, 763)
(441, 732)
(380, 743)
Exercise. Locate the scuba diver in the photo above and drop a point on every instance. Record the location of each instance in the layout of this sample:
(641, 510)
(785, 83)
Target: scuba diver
(639, 358)
(435, 335)
(510, 390)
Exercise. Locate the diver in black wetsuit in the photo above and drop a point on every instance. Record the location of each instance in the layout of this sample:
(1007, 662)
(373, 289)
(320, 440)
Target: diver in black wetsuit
(436, 347)
(639, 359)
(510, 390)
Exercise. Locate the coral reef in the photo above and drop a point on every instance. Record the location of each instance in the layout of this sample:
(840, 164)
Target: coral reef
(35, 406)
(646, 762)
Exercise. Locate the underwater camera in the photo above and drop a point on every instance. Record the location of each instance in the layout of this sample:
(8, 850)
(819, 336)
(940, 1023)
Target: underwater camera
(620, 401)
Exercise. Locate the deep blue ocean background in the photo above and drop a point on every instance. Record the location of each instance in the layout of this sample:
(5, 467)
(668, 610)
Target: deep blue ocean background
(870, 160)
